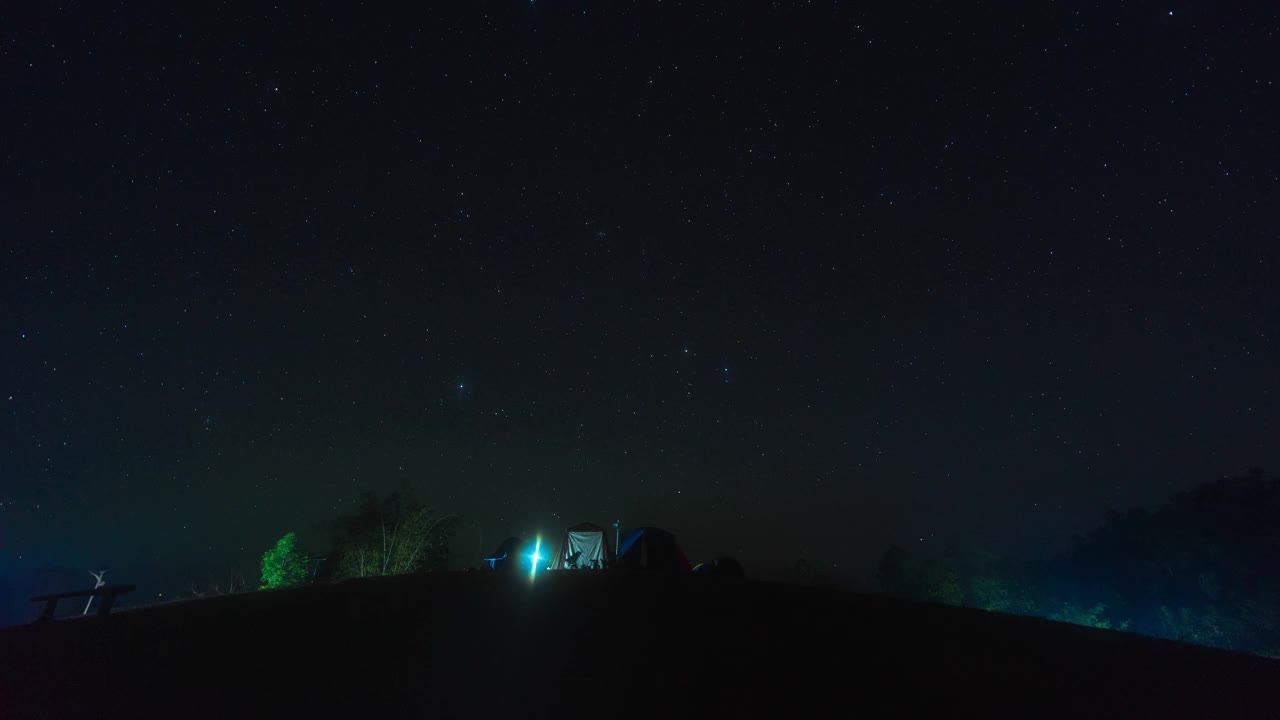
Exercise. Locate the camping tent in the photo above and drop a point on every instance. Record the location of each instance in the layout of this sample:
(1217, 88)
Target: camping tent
(653, 549)
(722, 568)
(584, 547)
(506, 557)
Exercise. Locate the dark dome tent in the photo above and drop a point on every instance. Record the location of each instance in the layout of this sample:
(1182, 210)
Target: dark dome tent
(584, 547)
(652, 549)
(506, 557)
(722, 568)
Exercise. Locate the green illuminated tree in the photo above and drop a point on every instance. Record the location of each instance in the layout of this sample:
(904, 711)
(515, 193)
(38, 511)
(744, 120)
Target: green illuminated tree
(993, 583)
(1094, 616)
(919, 577)
(998, 593)
(284, 565)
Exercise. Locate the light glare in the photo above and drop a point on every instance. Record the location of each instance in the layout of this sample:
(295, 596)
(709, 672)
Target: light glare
(534, 558)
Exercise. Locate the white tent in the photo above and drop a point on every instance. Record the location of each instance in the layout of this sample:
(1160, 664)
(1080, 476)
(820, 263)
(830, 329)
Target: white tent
(584, 547)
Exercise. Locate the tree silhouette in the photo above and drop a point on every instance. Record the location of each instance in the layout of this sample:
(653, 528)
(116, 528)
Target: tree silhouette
(1200, 568)
(394, 535)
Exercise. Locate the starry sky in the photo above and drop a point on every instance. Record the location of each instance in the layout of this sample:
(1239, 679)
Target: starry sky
(790, 280)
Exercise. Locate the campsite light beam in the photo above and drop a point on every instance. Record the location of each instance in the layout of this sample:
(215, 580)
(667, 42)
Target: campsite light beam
(534, 558)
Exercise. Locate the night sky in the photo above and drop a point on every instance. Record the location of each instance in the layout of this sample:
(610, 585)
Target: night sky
(800, 280)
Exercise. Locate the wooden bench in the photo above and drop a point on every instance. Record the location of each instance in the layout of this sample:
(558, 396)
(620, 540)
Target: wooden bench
(108, 593)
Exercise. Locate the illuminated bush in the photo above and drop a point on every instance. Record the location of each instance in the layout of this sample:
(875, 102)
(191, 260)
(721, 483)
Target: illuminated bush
(284, 565)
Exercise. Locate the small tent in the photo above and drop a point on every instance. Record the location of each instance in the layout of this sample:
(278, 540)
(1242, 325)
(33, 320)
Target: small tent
(584, 547)
(506, 557)
(722, 568)
(652, 549)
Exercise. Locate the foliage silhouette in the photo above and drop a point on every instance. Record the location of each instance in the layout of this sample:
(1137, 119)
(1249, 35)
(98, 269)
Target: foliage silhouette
(1200, 569)
(394, 535)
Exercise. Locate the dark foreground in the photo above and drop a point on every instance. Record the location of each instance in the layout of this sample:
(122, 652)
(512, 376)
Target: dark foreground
(611, 645)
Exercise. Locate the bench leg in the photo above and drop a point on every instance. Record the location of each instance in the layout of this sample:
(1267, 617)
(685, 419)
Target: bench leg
(49, 607)
(104, 607)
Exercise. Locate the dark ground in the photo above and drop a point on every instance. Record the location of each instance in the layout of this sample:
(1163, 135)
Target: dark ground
(482, 645)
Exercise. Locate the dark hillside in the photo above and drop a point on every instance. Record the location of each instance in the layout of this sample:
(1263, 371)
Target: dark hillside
(485, 645)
